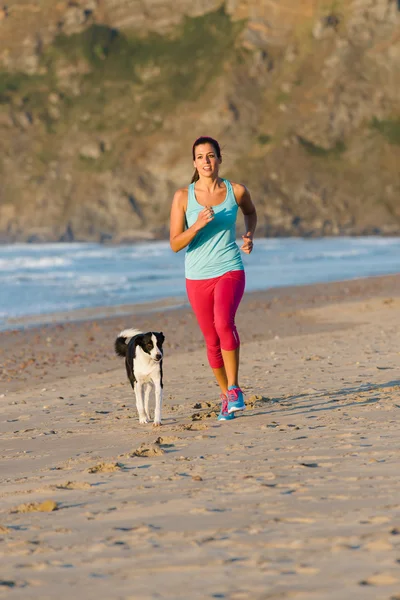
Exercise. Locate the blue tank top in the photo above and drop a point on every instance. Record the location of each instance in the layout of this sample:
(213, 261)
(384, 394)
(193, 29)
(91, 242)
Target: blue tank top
(213, 251)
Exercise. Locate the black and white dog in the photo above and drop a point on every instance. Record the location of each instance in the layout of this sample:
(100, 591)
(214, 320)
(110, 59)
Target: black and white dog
(143, 360)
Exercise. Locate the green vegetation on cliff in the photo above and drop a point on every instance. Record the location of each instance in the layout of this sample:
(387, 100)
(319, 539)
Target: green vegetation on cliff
(389, 128)
(108, 79)
(316, 150)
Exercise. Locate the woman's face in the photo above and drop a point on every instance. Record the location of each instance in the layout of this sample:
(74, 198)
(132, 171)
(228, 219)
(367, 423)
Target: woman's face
(206, 160)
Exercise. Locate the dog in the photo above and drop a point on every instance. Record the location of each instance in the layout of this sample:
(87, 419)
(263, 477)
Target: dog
(143, 354)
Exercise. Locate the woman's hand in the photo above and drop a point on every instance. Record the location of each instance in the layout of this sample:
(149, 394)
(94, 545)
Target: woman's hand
(247, 243)
(204, 217)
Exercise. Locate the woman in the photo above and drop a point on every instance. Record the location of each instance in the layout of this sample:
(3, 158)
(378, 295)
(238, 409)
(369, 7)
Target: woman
(203, 220)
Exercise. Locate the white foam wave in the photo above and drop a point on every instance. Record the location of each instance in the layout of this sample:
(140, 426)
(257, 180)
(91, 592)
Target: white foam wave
(43, 248)
(335, 254)
(43, 277)
(374, 241)
(24, 262)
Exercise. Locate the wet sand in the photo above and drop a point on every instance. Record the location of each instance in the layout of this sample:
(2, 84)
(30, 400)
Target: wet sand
(298, 497)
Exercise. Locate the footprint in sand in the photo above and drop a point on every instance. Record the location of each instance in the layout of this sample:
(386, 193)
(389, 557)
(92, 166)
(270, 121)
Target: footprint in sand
(148, 450)
(380, 579)
(256, 399)
(199, 405)
(45, 506)
(204, 510)
(296, 520)
(168, 440)
(72, 485)
(105, 468)
(192, 427)
(200, 416)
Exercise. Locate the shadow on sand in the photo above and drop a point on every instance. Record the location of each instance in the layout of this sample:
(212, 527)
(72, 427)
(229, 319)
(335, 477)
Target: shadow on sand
(321, 400)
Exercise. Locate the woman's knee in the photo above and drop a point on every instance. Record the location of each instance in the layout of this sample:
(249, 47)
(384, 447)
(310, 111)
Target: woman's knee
(214, 356)
(224, 326)
(228, 335)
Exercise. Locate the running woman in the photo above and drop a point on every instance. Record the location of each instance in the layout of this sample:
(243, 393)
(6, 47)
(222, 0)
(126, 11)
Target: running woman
(203, 220)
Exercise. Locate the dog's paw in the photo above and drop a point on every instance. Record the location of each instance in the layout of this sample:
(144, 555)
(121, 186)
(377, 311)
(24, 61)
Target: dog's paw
(157, 424)
(143, 420)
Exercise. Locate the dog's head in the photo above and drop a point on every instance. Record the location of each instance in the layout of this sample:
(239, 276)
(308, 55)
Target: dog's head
(151, 343)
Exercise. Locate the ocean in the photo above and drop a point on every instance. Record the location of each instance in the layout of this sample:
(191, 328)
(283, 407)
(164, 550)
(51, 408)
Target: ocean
(40, 279)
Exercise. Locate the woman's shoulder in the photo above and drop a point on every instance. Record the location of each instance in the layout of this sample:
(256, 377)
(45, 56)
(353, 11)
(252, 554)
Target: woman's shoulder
(181, 197)
(239, 190)
(181, 193)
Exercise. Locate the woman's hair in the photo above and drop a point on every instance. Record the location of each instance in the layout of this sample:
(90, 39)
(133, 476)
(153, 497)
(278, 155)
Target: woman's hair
(204, 140)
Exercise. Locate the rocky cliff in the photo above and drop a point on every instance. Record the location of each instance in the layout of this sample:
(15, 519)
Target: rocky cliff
(100, 101)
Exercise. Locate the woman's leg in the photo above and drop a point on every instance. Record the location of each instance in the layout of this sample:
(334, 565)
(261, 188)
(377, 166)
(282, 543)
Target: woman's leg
(228, 294)
(231, 362)
(201, 298)
(222, 380)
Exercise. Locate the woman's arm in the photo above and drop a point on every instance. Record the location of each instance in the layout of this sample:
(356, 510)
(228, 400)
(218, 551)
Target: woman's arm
(179, 236)
(248, 209)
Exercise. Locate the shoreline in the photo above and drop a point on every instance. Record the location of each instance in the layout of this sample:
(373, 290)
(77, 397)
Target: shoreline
(59, 349)
(91, 313)
(87, 314)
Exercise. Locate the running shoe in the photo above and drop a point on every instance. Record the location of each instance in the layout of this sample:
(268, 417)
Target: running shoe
(224, 414)
(235, 400)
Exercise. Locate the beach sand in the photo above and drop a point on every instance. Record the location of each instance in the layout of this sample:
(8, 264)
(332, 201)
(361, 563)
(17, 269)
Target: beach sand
(297, 498)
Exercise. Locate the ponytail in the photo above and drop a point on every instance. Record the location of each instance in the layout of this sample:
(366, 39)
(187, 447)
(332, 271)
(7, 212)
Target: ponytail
(195, 177)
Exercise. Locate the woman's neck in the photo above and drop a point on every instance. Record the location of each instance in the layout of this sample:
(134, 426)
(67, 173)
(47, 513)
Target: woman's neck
(209, 184)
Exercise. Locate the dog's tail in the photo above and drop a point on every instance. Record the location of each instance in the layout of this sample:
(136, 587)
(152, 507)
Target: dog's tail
(123, 339)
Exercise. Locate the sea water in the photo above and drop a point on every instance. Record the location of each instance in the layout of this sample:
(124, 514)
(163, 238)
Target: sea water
(40, 279)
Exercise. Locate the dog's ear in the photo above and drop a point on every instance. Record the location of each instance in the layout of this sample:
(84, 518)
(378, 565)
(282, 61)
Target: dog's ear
(138, 340)
(161, 337)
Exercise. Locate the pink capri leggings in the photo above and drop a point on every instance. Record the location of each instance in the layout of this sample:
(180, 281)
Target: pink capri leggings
(215, 302)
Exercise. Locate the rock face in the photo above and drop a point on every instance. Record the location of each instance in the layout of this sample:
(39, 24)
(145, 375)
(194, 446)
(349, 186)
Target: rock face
(101, 100)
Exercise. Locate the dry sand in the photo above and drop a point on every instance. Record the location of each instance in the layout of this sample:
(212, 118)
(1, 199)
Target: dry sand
(297, 498)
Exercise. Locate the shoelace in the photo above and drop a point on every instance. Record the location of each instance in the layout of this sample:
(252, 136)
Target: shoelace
(233, 394)
(224, 407)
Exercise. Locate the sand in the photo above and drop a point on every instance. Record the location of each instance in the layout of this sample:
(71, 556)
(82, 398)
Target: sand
(298, 497)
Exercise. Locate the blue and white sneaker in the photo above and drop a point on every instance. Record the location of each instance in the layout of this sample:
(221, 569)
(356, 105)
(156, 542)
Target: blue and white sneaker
(235, 400)
(224, 414)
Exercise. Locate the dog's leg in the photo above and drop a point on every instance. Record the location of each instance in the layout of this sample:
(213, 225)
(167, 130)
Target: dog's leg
(157, 412)
(139, 402)
(147, 391)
